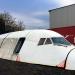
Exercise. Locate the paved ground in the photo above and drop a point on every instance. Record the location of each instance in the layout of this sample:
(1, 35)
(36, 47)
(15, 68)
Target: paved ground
(16, 68)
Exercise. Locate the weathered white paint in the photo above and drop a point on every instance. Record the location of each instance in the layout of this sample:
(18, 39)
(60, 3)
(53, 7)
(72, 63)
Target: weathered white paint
(30, 52)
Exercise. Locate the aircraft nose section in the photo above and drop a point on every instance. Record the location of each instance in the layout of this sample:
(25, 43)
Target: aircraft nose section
(70, 63)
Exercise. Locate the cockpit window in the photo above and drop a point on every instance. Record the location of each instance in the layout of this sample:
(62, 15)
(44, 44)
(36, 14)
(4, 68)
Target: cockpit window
(48, 41)
(60, 41)
(41, 42)
(44, 41)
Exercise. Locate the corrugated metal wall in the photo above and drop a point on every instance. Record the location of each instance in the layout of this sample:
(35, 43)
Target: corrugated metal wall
(62, 17)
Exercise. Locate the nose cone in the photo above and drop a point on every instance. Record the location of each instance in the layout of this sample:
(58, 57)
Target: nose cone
(70, 64)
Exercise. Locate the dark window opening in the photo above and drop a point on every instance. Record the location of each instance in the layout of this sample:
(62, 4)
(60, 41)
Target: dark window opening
(19, 45)
(48, 41)
(41, 42)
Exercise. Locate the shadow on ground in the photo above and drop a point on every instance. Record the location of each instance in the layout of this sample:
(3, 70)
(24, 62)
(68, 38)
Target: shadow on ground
(16, 68)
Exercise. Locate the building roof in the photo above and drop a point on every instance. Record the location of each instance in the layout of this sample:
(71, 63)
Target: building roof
(62, 7)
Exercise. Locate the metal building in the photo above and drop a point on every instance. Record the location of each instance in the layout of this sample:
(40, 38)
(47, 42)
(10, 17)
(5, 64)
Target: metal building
(62, 20)
(62, 17)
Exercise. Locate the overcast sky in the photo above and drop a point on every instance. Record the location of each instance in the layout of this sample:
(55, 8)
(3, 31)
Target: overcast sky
(34, 13)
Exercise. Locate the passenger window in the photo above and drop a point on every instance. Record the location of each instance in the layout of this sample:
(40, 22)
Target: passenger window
(19, 45)
(48, 41)
(41, 42)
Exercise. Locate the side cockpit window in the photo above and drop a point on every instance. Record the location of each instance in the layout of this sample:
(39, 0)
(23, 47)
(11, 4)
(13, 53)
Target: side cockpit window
(41, 42)
(48, 41)
(19, 45)
(44, 41)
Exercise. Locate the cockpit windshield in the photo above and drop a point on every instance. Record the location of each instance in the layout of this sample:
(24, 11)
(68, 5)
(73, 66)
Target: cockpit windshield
(60, 41)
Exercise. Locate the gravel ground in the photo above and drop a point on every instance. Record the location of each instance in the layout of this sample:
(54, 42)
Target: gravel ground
(16, 68)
